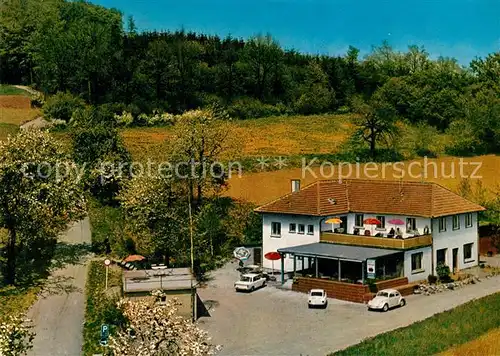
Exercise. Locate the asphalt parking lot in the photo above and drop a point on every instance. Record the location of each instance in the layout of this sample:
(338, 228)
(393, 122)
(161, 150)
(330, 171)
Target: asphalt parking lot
(273, 321)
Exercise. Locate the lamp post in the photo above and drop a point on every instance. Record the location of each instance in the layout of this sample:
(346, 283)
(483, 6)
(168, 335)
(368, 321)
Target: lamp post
(107, 263)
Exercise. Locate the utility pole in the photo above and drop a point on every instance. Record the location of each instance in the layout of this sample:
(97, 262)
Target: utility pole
(193, 296)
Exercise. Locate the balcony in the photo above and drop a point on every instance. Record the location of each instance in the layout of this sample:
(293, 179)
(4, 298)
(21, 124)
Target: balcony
(372, 241)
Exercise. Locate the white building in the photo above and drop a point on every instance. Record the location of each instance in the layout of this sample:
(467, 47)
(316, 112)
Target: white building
(418, 225)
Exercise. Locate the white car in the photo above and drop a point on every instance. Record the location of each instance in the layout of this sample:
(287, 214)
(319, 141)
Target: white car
(386, 299)
(250, 282)
(317, 298)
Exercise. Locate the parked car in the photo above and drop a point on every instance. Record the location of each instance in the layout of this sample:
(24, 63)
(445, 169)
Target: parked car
(317, 298)
(386, 299)
(250, 282)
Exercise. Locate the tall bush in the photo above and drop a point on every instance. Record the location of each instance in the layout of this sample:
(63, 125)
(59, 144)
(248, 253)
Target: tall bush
(62, 106)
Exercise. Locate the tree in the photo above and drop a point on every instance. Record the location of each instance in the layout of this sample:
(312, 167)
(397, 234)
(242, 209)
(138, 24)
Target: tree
(40, 192)
(198, 142)
(157, 215)
(99, 150)
(377, 121)
(263, 55)
(317, 96)
(16, 337)
(156, 329)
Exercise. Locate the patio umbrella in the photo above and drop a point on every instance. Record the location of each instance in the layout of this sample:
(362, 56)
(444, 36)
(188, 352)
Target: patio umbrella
(372, 221)
(272, 256)
(134, 258)
(333, 221)
(396, 222)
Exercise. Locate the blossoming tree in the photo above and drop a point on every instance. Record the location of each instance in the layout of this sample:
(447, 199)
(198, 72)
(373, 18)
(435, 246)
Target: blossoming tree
(155, 329)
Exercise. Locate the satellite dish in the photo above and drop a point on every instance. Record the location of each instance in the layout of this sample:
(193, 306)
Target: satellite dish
(241, 253)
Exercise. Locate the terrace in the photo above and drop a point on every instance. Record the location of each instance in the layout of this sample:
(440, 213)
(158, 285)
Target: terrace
(377, 241)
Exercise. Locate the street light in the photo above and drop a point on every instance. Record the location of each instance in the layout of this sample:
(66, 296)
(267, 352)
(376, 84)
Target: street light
(107, 263)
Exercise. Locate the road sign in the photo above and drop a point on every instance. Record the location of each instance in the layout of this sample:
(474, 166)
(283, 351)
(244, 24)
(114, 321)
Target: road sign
(107, 262)
(104, 335)
(370, 268)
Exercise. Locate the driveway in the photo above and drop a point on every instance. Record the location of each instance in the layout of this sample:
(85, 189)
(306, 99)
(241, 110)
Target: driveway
(273, 321)
(58, 316)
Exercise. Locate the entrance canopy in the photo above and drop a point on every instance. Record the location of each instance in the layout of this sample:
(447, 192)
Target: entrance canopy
(337, 252)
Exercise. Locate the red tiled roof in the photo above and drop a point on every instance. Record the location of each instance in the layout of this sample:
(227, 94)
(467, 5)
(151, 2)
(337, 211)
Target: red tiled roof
(331, 197)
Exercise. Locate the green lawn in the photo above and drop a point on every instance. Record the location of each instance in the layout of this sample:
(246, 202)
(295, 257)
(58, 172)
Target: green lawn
(100, 308)
(6, 130)
(11, 90)
(435, 334)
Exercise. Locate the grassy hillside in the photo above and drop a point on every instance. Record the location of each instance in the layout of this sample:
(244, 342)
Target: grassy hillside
(273, 184)
(285, 135)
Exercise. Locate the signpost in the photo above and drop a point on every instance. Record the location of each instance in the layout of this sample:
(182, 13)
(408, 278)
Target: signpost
(107, 263)
(104, 335)
(370, 269)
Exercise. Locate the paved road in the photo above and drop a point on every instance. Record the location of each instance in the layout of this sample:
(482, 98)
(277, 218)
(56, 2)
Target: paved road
(271, 321)
(59, 317)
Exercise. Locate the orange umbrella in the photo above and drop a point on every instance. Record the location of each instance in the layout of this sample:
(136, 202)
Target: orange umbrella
(334, 221)
(134, 258)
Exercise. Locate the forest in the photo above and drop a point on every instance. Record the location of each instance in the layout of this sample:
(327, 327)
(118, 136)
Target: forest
(96, 54)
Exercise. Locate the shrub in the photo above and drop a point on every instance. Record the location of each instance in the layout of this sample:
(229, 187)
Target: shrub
(443, 271)
(62, 106)
(247, 108)
(125, 119)
(432, 279)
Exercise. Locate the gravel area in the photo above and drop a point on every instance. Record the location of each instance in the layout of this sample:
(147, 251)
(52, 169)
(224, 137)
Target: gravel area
(272, 321)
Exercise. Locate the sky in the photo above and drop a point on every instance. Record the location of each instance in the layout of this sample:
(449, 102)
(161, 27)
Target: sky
(463, 29)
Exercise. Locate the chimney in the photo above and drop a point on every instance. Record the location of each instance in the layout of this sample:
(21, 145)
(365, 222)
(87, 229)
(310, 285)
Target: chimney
(295, 185)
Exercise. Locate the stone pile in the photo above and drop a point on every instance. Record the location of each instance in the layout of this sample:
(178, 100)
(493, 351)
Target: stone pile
(428, 289)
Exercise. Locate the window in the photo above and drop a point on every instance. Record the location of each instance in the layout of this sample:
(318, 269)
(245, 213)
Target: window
(442, 224)
(468, 252)
(310, 229)
(302, 228)
(468, 220)
(292, 228)
(382, 222)
(416, 262)
(456, 222)
(441, 256)
(411, 224)
(275, 229)
(358, 220)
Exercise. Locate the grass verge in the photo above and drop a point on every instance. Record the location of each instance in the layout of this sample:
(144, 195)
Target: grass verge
(15, 301)
(7, 130)
(435, 334)
(6, 89)
(100, 307)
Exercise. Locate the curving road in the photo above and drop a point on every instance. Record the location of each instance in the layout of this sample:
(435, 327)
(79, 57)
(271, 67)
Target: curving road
(59, 316)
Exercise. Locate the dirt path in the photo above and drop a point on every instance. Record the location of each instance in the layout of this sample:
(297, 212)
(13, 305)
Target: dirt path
(59, 315)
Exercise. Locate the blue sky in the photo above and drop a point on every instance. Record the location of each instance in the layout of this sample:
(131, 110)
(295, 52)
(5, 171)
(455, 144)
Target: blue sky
(462, 29)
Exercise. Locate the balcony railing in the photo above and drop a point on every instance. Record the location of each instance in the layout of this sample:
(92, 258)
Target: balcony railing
(373, 241)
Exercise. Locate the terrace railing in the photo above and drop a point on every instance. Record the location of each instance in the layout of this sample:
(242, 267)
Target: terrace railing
(374, 241)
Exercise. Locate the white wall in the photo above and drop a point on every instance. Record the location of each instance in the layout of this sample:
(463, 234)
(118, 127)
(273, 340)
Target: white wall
(287, 239)
(426, 264)
(420, 224)
(451, 239)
